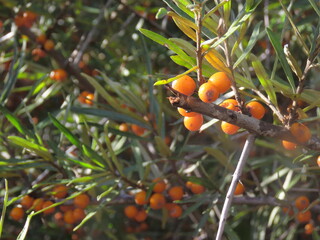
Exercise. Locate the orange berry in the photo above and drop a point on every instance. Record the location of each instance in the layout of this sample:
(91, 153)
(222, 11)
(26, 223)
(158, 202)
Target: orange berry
(302, 203)
(141, 216)
(27, 201)
(78, 214)
(231, 104)
(197, 188)
(229, 128)
(140, 198)
(193, 123)
(48, 204)
(239, 189)
(142, 227)
(130, 211)
(41, 38)
(136, 129)
(58, 216)
(65, 208)
(37, 204)
(30, 16)
(184, 113)
(60, 191)
(123, 127)
(289, 145)
(68, 217)
(58, 75)
(184, 85)
(86, 97)
(221, 81)
(157, 201)
(189, 184)
(288, 211)
(256, 109)
(303, 217)
(301, 132)
(17, 213)
(38, 53)
(160, 185)
(174, 210)
(48, 45)
(308, 228)
(82, 200)
(176, 193)
(208, 92)
(318, 160)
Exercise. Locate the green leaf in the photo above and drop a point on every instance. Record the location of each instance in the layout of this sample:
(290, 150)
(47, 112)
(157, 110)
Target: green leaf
(264, 79)
(162, 147)
(5, 202)
(162, 82)
(315, 7)
(22, 235)
(161, 13)
(282, 58)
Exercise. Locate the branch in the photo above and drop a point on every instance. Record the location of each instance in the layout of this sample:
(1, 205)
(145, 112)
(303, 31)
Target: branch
(254, 126)
(235, 179)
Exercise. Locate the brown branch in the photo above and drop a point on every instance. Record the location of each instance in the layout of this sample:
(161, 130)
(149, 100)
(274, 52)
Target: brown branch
(255, 126)
(199, 56)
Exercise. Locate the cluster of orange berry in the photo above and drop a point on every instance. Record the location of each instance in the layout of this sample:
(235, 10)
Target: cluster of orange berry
(157, 200)
(70, 214)
(301, 133)
(208, 92)
(302, 216)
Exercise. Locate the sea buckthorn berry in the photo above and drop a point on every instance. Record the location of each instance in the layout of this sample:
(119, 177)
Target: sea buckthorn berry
(174, 210)
(30, 16)
(48, 204)
(17, 213)
(208, 93)
(239, 189)
(318, 160)
(68, 217)
(176, 193)
(184, 85)
(136, 129)
(256, 109)
(288, 210)
(301, 132)
(193, 123)
(38, 53)
(58, 75)
(140, 198)
(197, 188)
(221, 81)
(302, 203)
(159, 186)
(184, 113)
(37, 204)
(60, 191)
(41, 38)
(229, 128)
(141, 216)
(157, 201)
(27, 201)
(308, 228)
(65, 208)
(48, 45)
(230, 104)
(86, 97)
(78, 214)
(189, 184)
(123, 127)
(289, 145)
(82, 200)
(303, 217)
(130, 211)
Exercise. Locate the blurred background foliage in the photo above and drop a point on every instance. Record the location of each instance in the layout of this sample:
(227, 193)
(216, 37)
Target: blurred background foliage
(128, 134)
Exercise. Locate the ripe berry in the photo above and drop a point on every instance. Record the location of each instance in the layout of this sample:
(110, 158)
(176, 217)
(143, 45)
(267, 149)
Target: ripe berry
(174, 210)
(208, 92)
(41, 38)
(229, 128)
(59, 75)
(308, 228)
(48, 45)
(256, 109)
(17, 213)
(123, 127)
(37, 204)
(130, 211)
(239, 189)
(38, 53)
(184, 85)
(86, 97)
(136, 129)
(48, 204)
(303, 217)
(60, 191)
(197, 188)
(82, 200)
(68, 217)
(140, 198)
(193, 123)
(184, 113)
(301, 132)
(302, 203)
(289, 145)
(221, 81)
(78, 214)
(288, 210)
(160, 185)
(176, 193)
(27, 201)
(318, 160)
(141, 216)
(231, 104)
(157, 201)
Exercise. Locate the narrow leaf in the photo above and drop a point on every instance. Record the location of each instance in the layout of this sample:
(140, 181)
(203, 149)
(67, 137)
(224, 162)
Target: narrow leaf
(5, 202)
(162, 82)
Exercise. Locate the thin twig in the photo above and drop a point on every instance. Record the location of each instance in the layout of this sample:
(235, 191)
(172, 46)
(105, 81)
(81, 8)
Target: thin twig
(199, 56)
(236, 175)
